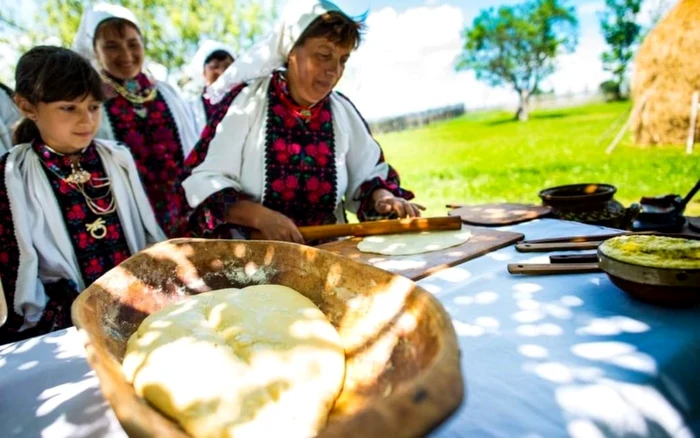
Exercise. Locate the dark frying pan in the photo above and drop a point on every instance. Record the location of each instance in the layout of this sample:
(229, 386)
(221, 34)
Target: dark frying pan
(663, 286)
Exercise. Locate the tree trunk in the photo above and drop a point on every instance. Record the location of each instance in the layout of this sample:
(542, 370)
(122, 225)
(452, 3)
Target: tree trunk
(523, 113)
(620, 79)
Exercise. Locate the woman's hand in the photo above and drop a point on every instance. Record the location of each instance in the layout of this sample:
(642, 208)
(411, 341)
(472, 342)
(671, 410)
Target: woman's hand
(272, 225)
(268, 224)
(385, 203)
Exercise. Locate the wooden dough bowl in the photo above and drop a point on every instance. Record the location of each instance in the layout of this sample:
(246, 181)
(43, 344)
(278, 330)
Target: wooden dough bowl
(403, 373)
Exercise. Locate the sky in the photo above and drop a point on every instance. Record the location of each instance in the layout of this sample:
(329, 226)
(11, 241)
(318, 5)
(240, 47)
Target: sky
(406, 61)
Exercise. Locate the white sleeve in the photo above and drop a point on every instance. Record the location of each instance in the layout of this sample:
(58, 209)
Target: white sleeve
(363, 154)
(199, 116)
(223, 163)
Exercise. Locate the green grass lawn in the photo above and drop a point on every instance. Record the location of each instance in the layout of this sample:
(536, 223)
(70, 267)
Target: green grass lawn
(488, 157)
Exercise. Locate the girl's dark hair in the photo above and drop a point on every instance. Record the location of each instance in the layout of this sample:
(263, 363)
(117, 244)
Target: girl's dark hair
(48, 74)
(219, 55)
(335, 26)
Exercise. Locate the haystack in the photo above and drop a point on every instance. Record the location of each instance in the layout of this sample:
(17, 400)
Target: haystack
(667, 72)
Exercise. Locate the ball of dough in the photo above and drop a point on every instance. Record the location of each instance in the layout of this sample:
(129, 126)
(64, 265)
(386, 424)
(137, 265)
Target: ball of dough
(252, 362)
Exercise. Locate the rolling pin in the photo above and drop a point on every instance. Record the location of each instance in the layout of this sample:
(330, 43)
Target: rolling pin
(375, 228)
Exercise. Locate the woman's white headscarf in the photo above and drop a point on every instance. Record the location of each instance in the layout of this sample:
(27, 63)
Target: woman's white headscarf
(83, 43)
(271, 52)
(205, 49)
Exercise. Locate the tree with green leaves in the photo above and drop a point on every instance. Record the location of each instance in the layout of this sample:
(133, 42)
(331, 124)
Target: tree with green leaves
(172, 30)
(517, 45)
(621, 32)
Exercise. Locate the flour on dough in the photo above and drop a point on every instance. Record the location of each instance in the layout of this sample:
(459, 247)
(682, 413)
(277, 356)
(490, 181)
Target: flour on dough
(254, 362)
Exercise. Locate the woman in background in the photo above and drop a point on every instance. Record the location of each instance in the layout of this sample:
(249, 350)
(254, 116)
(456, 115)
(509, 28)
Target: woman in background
(146, 115)
(211, 60)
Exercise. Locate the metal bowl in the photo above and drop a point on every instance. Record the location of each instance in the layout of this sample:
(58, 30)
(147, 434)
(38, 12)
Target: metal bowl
(576, 194)
(671, 287)
(587, 203)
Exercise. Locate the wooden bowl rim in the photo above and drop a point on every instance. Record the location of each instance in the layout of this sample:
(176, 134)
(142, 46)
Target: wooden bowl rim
(442, 378)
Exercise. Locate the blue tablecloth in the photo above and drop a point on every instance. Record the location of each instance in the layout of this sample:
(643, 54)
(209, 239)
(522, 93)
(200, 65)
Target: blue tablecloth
(543, 356)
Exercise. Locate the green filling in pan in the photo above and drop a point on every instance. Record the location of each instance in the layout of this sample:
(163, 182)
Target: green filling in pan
(654, 251)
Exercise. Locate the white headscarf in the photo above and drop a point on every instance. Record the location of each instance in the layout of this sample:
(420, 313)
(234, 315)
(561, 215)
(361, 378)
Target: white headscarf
(271, 52)
(83, 43)
(205, 49)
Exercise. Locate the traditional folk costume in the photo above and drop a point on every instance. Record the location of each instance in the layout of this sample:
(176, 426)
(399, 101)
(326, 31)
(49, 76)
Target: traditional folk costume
(202, 109)
(309, 164)
(151, 119)
(9, 116)
(66, 225)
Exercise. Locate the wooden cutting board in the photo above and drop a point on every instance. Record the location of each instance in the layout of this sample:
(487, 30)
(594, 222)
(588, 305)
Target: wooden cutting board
(499, 214)
(415, 267)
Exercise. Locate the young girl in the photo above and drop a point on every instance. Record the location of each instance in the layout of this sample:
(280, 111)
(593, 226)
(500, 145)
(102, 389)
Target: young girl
(71, 207)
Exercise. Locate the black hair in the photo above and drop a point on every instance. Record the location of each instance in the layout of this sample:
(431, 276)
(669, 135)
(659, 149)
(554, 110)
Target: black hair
(219, 55)
(336, 27)
(48, 74)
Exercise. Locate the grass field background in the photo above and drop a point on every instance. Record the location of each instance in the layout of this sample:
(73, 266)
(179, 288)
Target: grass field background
(488, 157)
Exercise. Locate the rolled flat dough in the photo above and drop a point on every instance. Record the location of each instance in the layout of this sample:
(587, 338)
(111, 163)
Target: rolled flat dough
(253, 362)
(413, 243)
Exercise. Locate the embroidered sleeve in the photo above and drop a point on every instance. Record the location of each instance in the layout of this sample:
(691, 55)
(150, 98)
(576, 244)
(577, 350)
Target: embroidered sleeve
(391, 182)
(367, 168)
(214, 115)
(218, 160)
(184, 124)
(209, 219)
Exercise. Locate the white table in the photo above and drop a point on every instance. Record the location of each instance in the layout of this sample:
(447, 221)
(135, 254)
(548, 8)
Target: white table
(542, 356)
